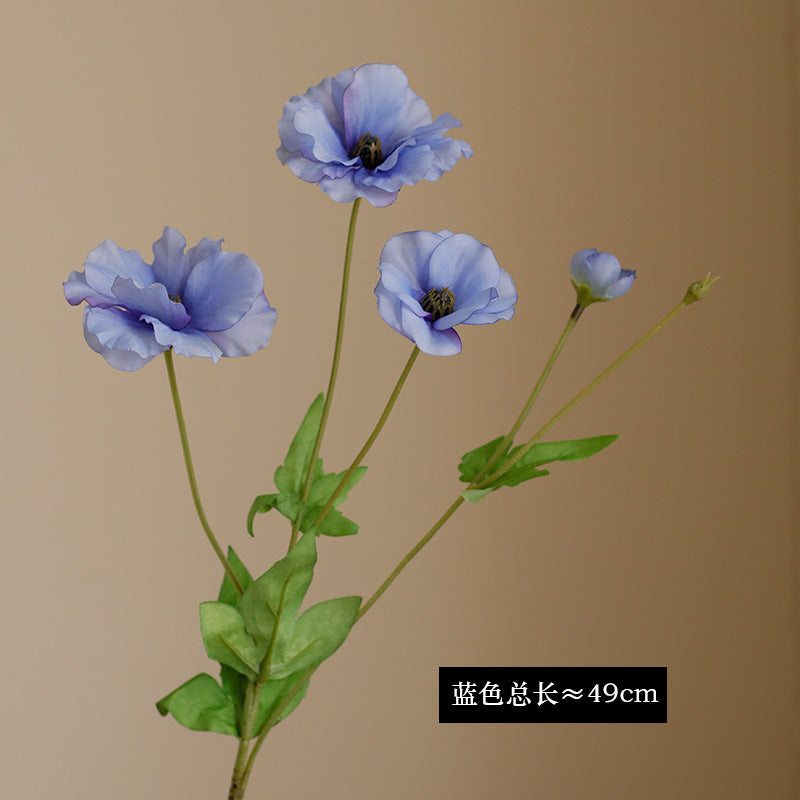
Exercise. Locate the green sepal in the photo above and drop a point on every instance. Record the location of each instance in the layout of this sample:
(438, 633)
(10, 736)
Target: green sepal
(227, 594)
(270, 606)
(291, 476)
(262, 504)
(317, 635)
(201, 704)
(528, 466)
(227, 640)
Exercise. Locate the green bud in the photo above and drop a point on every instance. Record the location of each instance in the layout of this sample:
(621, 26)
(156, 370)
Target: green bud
(699, 289)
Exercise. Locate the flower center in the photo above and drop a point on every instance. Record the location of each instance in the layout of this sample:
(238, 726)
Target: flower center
(368, 149)
(439, 302)
(176, 298)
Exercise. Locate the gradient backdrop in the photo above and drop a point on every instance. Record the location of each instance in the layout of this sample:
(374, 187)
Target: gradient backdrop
(665, 132)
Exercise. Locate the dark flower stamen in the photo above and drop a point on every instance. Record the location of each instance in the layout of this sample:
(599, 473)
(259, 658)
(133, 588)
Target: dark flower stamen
(439, 302)
(368, 149)
(176, 298)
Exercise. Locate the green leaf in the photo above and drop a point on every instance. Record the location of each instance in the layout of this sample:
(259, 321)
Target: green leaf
(473, 462)
(234, 684)
(291, 476)
(317, 635)
(200, 704)
(262, 504)
(270, 606)
(335, 524)
(528, 466)
(323, 487)
(226, 638)
(227, 594)
(272, 694)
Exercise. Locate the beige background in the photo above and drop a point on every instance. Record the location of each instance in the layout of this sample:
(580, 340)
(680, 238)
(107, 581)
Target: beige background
(665, 132)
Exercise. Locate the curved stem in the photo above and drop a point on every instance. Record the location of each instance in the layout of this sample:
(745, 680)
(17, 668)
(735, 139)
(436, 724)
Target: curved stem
(187, 457)
(578, 397)
(337, 350)
(372, 437)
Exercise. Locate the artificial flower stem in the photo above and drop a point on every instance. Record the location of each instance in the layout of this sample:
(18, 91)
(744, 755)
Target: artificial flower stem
(372, 437)
(578, 397)
(337, 350)
(238, 779)
(571, 323)
(411, 553)
(187, 457)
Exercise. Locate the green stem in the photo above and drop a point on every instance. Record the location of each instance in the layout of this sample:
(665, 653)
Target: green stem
(337, 350)
(571, 323)
(187, 457)
(578, 397)
(411, 553)
(372, 437)
(238, 779)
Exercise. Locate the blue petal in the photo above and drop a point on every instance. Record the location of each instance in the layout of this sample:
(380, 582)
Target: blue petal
(427, 338)
(108, 262)
(618, 288)
(502, 307)
(410, 252)
(151, 300)
(221, 289)
(76, 290)
(466, 308)
(465, 265)
(120, 337)
(317, 139)
(188, 342)
(203, 249)
(169, 262)
(379, 101)
(250, 333)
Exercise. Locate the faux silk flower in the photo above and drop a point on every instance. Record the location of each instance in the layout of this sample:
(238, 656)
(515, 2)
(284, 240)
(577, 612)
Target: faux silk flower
(431, 282)
(202, 302)
(364, 133)
(598, 276)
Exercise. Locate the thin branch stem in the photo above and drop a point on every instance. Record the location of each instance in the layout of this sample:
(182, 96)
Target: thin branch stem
(337, 350)
(372, 437)
(187, 457)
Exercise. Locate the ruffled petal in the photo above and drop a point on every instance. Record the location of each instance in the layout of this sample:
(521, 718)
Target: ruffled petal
(221, 289)
(188, 342)
(502, 307)
(125, 341)
(205, 248)
(469, 306)
(76, 290)
(410, 253)
(465, 265)
(169, 261)
(426, 337)
(378, 101)
(151, 300)
(108, 262)
(250, 333)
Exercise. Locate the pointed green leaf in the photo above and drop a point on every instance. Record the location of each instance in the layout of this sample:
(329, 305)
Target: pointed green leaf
(227, 640)
(472, 463)
(262, 504)
(323, 487)
(569, 450)
(227, 594)
(272, 694)
(200, 704)
(289, 505)
(317, 635)
(271, 604)
(291, 476)
(337, 524)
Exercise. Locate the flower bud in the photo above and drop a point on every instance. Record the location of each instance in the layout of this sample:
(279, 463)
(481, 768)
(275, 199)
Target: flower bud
(699, 289)
(598, 276)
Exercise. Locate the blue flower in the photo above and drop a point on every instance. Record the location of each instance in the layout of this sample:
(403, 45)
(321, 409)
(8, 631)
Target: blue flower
(364, 133)
(204, 302)
(431, 282)
(598, 276)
